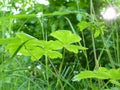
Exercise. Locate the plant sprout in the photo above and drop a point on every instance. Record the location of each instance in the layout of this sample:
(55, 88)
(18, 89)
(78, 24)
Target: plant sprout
(110, 13)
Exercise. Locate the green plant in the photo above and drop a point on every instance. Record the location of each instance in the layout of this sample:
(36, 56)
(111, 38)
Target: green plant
(102, 73)
(43, 46)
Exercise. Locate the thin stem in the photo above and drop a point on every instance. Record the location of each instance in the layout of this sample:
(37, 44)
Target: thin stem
(61, 66)
(47, 74)
(107, 49)
(117, 45)
(73, 30)
(93, 41)
(56, 74)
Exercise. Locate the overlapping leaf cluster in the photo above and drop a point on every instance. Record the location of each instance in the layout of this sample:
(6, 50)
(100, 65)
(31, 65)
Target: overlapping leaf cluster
(30, 46)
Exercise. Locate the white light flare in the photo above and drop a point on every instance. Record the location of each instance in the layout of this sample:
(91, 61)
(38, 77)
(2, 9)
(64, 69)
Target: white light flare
(45, 2)
(110, 13)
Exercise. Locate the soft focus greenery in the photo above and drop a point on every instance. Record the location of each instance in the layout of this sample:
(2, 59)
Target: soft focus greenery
(59, 45)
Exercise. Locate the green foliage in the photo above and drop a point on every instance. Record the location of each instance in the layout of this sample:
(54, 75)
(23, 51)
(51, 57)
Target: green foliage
(35, 48)
(67, 39)
(30, 46)
(83, 25)
(101, 73)
(42, 47)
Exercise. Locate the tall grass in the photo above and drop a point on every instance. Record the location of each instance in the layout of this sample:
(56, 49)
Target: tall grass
(20, 73)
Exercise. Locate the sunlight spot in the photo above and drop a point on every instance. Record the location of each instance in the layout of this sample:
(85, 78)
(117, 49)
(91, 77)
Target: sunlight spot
(5, 9)
(18, 5)
(109, 13)
(45, 2)
(19, 54)
(75, 72)
(80, 51)
(27, 6)
(38, 66)
(7, 35)
(29, 67)
(39, 14)
(15, 11)
(14, 21)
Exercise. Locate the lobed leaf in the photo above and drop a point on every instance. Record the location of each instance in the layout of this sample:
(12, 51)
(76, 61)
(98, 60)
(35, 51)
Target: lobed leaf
(102, 73)
(65, 36)
(83, 25)
(74, 48)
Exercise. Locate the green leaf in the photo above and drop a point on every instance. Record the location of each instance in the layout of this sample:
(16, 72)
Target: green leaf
(83, 25)
(66, 37)
(50, 45)
(18, 48)
(84, 75)
(31, 46)
(66, 40)
(54, 54)
(115, 74)
(74, 48)
(9, 40)
(35, 52)
(49, 48)
(102, 73)
(24, 36)
(115, 82)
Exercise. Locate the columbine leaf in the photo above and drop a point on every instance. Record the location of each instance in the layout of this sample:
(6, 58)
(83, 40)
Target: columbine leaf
(84, 75)
(100, 74)
(18, 48)
(115, 82)
(83, 25)
(24, 36)
(35, 52)
(50, 45)
(66, 37)
(54, 54)
(75, 48)
(115, 74)
(97, 33)
(9, 40)
(49, 48)
(30, 46)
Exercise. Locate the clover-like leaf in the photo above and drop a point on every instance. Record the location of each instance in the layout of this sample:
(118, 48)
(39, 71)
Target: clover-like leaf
(83, 25)
(30, 46)
(101, 73)
(50, 47)
(75, 48)
(54, 54)
(66, 37)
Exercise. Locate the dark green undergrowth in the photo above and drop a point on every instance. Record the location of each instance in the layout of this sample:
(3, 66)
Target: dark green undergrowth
(64, 45)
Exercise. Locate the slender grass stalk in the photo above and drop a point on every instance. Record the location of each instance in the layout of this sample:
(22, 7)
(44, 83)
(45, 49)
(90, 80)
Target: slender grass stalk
(61, 65)
(47, 72)
(108, 51)
(83, 38)
(59, 79)
(93, 41)
(28, 85)
(73, 30)
(60, 68)
(117, 43)
(57, 74)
